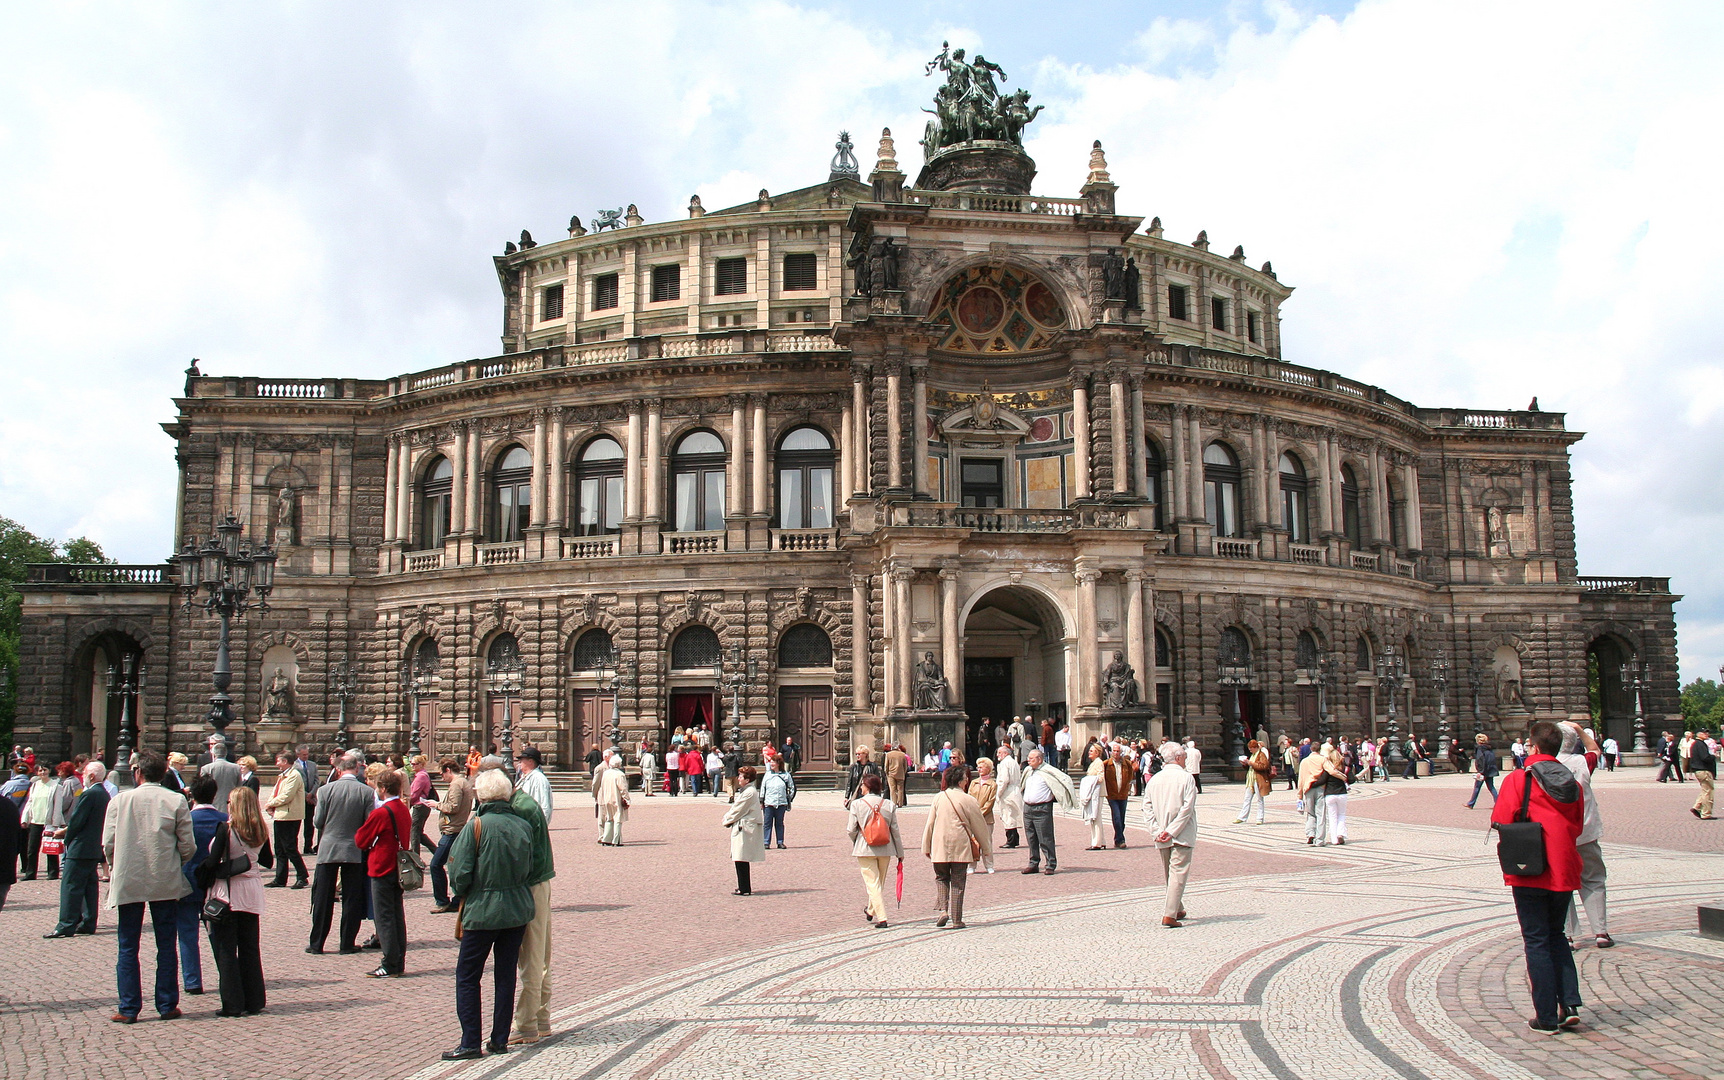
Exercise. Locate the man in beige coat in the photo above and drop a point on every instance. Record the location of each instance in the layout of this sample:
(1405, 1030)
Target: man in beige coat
(611, 797)
(897, 766)
(954, 821)
(147, 838)
(286, 806)
(1170, 810)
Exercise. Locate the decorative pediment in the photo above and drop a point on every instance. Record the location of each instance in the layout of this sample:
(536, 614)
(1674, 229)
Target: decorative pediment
(986, 414)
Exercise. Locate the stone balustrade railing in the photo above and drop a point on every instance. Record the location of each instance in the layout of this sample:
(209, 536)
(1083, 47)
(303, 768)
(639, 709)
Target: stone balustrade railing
(1625, 584)
(99, 573)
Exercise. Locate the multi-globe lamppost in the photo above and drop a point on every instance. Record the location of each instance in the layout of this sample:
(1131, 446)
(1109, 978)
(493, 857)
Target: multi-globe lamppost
(1440, 676)
(619, 681)
(1235, 677)
(1391, 670)
(1328, 673)
(125, 681)
(1632, 681)
(230, 572)
(419, 678)
(344, 683)
(740, 677)
(505, 674)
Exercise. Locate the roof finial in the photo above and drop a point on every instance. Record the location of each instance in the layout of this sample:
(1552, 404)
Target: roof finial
(1098, 165)
(694, 207)
(1238, 254)
(633, 217)
(764, 203)
(844, 164)
(1202, 241)
(886, 159)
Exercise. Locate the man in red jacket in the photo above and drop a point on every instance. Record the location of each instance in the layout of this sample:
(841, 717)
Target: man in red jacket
(1541, 902)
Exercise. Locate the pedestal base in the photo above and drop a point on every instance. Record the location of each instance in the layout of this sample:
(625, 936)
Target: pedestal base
(985, 166)
(1132, 723)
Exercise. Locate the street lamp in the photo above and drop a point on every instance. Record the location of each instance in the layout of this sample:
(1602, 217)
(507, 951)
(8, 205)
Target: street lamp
(420, 678)
(1440, 676)
(1391, 670)
(740, 677)
(1476, 681)
(622, 681)
(125, 680)
(504, 674)
(344, 682)
(229, 572)
(1631, 679)
(1328, 673)
(1235, 677)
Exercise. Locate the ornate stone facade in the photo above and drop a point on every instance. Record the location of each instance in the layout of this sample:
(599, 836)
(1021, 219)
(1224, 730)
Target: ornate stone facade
(828, 432)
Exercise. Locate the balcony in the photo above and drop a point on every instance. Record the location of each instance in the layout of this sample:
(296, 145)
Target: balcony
(420, 561)
(1235, 549)
(99, 574)
(1309, 555)
(1364, 562)
(1625, 584)
(590, 547)
(498, 554)
(1010, 519)
(804, 539)
(694, 543)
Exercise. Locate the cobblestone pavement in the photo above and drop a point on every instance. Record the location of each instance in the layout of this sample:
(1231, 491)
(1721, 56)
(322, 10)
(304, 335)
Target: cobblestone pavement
(1393, 956)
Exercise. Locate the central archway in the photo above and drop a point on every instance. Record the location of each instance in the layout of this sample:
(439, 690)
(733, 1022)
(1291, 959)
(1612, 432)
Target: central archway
(1017, 657)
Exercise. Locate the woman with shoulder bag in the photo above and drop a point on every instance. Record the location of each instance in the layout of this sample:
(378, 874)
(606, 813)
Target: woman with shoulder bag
(873, 830)
(383, 837)
(234, 933)
(953, 839)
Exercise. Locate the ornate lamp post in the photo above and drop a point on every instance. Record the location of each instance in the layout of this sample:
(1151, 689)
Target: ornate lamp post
(344, 684)
(1328, 672)
(229, 572)
(1631, 678)
(504, 674)
(420, 679)
(740, 677)
(1476, 682)
(623, 681)
(1440, 676)
(125, 680)
(1234, 677)
(1391, 671)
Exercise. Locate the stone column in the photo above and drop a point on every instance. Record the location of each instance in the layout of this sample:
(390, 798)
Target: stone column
(1089, 673)
(1194, 456)
(404, 493)
(1271, 472)
(632, 465)
(475, 473)
(653, 503)
(951, 645)
(458, 465)
(888, 639)
(1415, 525)
(860, 652)
(1134, 638)
(1080, 434)
(1116, 419)
(861, 479)
(737, 495)
(758, 503)
(1379, 497)
(556, 461)
(1139, 441)
(901, 578)
(919, 422)
(1179, 507)
(1326, 481)
(536, 515)
(846, 455)
(391, 482)
(894, 425)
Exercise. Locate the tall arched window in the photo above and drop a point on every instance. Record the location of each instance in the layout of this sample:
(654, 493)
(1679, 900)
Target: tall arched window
(593, 651)
(1221, 489)
(599, 488)
(1295, 499)
(512, 496)
(805, 463)
(697, 469)
(1305, 651)
(1152, 464)
(1397, 518)
(504, 652)
(694, 649)
(1362, 654)
(435, 498)
(1350, 507)
(427, 659)
(1235, 650)
(1163, 649)
(805, 645)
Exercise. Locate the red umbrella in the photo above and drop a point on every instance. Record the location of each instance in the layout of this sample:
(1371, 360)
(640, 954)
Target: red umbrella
(900, 882)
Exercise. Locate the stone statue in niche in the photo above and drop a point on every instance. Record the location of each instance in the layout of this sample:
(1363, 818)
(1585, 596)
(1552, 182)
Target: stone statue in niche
(278, 697)
(1508, 689)
(1113, 275)
(283, 535)
(862, 262)
(1119, 684)
(1133, 286)
(1496, 531)
(930, 685)
(886, 251)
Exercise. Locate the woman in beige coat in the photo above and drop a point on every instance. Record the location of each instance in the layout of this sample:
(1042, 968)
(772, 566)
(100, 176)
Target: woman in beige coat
(612, 798)
(746, 823)
(985, 791)
(955, 837)
(873, 859)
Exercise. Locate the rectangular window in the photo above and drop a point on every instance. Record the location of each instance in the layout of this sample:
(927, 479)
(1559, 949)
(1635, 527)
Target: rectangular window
(1176, 295)
(667, 282)
(800, 273)
(1253, 326)
(604, 292)
(983, 483)
(732, 277)
(714, 499)
(1218, 313)
(552, 306)
(790, 498)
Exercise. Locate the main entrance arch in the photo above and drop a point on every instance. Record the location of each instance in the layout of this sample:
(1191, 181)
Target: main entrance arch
(93, 725)
(1017, 656)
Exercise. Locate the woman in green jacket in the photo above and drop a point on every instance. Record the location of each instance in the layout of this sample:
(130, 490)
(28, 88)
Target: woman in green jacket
(490, 870)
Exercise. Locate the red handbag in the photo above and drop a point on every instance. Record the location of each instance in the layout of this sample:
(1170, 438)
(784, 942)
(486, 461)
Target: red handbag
(53, 845)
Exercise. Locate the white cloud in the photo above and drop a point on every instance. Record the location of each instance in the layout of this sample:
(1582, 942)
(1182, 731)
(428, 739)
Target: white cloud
(1478, 202)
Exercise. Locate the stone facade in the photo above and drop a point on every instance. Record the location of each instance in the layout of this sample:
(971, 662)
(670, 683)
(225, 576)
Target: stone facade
(1049, 435)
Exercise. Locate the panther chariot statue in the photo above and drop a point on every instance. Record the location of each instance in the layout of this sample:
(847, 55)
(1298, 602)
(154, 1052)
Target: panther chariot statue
(969, 109)
(608, 219)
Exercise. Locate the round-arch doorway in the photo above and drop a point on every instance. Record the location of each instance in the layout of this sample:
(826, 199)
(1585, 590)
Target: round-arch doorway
(1016, 656)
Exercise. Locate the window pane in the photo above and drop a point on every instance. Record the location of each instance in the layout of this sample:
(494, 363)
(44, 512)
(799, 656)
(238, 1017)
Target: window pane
(700, 442)
(714, 499)
(687, 508)
(819, 498)
(1230, 509)
(1211, 504)
(790, 498)
(613, 503)
(588, 517)
(523, 510)
(806, 438)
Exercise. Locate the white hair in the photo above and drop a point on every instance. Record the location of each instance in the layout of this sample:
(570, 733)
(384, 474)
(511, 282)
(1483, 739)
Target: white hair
(95, 772)
(1172, 753)
(491, 785)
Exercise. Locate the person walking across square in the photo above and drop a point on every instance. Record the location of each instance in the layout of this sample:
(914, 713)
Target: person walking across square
(147, 838)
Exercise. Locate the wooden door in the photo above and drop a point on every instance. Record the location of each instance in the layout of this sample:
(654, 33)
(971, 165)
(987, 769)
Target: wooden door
(428, 712)
(805, 714)
(1305, 705)
(500, 709)
(589, 725)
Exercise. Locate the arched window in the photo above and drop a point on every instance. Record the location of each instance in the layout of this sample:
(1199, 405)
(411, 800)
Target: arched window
(1350, 506)
(1305, 652)
(805, 645)
(697, 469)
(593, 651)
(426, 659)
(1362, 654)
(435, 499)
(1235, 650)
(805, 464)
(1295, 499)
(1221, 489)
(599, 488)
(512, 496)
(504, 653)
(1163, 649)
(696, 647)
(1152, 464)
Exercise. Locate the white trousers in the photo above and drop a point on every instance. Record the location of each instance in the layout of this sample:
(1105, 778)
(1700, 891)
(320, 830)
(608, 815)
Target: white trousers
(1592, 877)
(1334, 818)
(1262, 804)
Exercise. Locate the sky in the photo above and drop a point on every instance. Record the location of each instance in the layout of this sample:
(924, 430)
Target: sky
(1478, 202)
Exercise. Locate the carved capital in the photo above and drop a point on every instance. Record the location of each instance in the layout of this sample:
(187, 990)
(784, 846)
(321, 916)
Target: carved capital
(737, 402)
(1086, 578)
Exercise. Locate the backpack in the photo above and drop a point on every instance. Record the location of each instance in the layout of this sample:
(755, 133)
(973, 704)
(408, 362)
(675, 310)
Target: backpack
(875, 831)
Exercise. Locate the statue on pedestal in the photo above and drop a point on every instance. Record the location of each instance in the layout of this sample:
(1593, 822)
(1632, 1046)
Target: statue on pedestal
(1119, 684)
(277, 702)
(283, 536)
(930, 685)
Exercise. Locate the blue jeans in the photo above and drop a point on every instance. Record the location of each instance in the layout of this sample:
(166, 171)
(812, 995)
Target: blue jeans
(163, 917)
(1117, 808)
(774, 819)
(187, 924)
(1543, 915)
(1484, 781)
(440, 876)
(504, 948)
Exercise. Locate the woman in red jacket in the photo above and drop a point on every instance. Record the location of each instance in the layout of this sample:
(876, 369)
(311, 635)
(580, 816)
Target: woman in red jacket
(1541, 901)
(383, 835)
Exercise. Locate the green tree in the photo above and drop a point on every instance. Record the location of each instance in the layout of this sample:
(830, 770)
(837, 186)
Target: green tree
(19, 547)
(1703, 706)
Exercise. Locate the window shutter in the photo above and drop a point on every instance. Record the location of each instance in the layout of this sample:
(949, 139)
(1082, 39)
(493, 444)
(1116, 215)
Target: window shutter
(667, 282)
(604, 292)
(1218, 313)
(800, 272)
(553, 305)
(1176, 302)
(732, 277)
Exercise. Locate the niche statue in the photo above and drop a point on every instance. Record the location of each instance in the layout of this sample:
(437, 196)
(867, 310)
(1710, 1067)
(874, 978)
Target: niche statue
(277, 702)
(1119, 684)
(930, 685)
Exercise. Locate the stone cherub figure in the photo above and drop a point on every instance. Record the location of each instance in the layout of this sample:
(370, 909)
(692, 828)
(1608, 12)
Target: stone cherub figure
(277, 702)
(930, 685)
(1119, 684)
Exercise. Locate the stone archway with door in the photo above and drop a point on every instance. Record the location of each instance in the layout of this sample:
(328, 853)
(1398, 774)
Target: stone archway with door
(1018, 659)
(1610, 696)
(96, 707)
(805, 709)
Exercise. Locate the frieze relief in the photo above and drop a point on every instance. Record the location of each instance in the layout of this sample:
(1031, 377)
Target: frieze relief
(1023, 401)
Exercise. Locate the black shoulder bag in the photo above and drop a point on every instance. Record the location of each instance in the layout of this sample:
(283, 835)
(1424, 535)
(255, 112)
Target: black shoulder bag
(1520, 843)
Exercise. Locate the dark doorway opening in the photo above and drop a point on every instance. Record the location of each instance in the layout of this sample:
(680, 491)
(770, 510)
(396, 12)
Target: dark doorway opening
(987, 701)
(689, 708)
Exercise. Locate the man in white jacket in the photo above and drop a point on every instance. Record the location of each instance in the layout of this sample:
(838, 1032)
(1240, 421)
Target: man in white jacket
(1170, 810)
